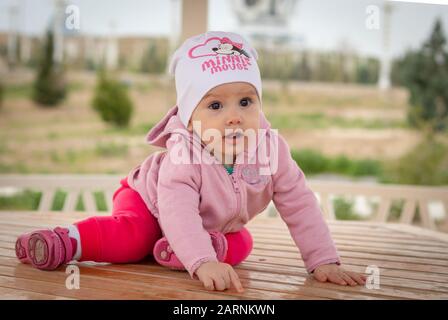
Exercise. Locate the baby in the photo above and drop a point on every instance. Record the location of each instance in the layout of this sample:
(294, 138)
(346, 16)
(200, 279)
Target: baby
(188, 205)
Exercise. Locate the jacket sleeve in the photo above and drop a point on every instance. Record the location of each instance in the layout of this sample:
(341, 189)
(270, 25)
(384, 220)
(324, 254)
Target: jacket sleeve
(178, 193)
(300, 210)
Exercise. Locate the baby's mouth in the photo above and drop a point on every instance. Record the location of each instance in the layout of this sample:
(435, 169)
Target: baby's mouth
(233, 137)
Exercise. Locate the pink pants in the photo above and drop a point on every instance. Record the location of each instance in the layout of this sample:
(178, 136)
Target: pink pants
(129, 234)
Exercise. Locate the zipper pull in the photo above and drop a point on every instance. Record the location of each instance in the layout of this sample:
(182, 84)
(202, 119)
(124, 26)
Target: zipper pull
(235, 185)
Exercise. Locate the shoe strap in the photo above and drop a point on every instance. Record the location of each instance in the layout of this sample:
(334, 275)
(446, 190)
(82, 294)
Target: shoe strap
(67, 244)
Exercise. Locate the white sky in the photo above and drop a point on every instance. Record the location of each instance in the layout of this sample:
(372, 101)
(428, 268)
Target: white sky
(323, 24)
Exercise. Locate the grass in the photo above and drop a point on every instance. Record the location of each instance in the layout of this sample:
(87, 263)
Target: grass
(25, 200)
(16, 167)
(3, 147)
(24, 90)
(312, 98)
(111, 149)
(29, 200)
(319, 120)
(17, 91)
(314, 162)
(136, 130)
(343, 209)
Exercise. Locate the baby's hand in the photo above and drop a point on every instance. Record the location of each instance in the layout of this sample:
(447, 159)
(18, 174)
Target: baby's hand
(219, 276)
(336, 274)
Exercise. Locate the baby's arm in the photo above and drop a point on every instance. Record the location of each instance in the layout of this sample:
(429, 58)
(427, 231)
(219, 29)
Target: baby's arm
(298, 207)
(300, 210)
(178, 202)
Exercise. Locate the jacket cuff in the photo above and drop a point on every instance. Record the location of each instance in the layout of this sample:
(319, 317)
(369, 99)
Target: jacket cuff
(192, 269)
(310, 269)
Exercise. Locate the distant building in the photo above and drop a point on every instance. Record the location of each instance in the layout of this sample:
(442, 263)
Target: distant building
(266, 23)
(80, 50)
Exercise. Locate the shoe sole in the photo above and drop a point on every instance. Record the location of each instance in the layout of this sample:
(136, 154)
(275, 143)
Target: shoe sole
(163, 254)
(36, 251)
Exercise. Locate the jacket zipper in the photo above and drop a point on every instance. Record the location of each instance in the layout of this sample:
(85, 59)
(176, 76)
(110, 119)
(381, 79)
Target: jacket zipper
(237, 190)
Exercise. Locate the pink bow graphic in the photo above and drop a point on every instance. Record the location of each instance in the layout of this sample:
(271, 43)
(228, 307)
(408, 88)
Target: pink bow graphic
(227, 40)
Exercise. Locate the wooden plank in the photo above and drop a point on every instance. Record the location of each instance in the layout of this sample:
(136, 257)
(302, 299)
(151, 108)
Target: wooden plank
(398, 236)
(46, 201)
(442, 259)
(402, 250)
(427, 221)
(383, 210)
(89, 201)
(408, 213)
(401, 275)
(70, 201)
(108, 194)
(327, 206)
(353, 254)
(285, 235)
(420, 233)
(360, 244)
(354, 231)
(16, 294)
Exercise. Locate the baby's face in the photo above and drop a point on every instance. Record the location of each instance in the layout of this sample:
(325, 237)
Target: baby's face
(225, 109)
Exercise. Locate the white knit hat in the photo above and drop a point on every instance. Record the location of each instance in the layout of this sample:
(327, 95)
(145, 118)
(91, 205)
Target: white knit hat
(207, 60)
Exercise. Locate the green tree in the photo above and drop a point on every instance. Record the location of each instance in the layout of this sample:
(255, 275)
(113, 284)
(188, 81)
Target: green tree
(49, 88)
(426, 164)
(154, 59)
(305, 68)
(425, 73)
(112, 101)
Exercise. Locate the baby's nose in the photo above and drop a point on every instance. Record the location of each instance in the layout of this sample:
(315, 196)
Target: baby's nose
(234, 120)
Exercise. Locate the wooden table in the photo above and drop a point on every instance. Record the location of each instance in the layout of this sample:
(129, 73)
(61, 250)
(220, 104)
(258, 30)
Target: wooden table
(413, 264)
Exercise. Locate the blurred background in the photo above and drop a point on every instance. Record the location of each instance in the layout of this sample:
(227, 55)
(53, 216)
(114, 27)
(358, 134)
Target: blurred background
(358, 88)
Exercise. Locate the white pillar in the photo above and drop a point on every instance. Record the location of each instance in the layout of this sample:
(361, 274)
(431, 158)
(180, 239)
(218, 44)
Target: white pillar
(384, 77)
(13, 34)
(194, 18)
(174, 37)
(112, 48)
(58, 31)
(25, 41)
(25, 48)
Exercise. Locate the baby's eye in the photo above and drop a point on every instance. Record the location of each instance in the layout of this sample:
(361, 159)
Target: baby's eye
(245, 102)
(215, 106)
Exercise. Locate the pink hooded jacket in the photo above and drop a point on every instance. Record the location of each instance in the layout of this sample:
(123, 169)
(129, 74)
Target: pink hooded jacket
(191, 198)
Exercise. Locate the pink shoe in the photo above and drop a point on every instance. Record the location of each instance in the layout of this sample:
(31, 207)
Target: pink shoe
(46, 249)
(166, 257)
